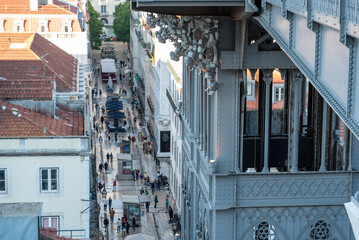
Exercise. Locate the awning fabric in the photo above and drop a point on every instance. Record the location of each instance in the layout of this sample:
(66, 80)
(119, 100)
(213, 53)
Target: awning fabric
(113, 105)
(108, 65)
(116, 114)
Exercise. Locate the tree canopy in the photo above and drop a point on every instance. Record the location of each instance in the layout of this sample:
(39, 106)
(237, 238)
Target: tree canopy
(121, 25)
(95, 27)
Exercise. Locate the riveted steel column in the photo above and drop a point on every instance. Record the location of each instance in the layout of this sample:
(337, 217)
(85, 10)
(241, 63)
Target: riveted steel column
(294, 113)
(324, 137)
(267, 78)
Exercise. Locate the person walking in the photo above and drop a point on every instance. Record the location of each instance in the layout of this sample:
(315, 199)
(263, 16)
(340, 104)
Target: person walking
(112, 215)
(153, 187)
(146, 193)
(167, 204)
(134, 223)
(137, 174)
(109, 203)
(127, 228)
(106, 166)
(147, 206)
(119, 224)
(105, 223)
(108, 156)
(111, 156)
(105, 203)
(123, 227)
(96, 127)
(100, 167)
(141, 177)
(114, 185)
(156, 200)
(102, 119)
(133, 175)
(170, 213)
(100, 139)
(142, 191)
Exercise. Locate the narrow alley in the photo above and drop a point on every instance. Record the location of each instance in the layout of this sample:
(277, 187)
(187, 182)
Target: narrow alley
(154, 223)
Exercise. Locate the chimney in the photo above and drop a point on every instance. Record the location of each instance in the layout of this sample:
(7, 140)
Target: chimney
(34, 5)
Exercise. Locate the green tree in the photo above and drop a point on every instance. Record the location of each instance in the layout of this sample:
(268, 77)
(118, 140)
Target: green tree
(95, 27)
(121, 25)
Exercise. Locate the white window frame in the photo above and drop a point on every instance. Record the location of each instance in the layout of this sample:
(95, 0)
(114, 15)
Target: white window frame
(280, 94)
(51, 218)
(2, 27)
(249, 88)
(19, 23)
(5, 180)
(66, 23)
(103, 7)
(49, 179)
(42, 22)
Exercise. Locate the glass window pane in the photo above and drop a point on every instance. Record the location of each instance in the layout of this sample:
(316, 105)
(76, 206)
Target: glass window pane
(53, 184)
(53, 173)
(54, 222)
(44, 174)
(2, 185)
(45, 222)
(2, 175)
(44, 185)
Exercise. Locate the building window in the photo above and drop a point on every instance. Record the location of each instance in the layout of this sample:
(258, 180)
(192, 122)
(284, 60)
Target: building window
(49, 178)
(103, 9)
(50, 222)
(66, 25)
(249, 89)
(165, 145)
(3, 185)
(19, 25)
(42, 25)
(278, 93)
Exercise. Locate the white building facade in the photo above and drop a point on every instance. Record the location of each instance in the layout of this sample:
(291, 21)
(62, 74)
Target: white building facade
(51, 170)
(106, 9)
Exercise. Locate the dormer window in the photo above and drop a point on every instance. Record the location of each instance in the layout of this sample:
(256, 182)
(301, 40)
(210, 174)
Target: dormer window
(66, 25)
(19, 25)
(2, 29)
(42, 25)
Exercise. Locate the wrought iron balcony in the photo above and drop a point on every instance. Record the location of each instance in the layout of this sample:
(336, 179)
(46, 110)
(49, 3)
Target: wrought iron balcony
(190, 7)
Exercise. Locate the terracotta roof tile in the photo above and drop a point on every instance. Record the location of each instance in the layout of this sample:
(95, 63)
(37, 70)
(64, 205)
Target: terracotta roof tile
(26, 89)
(17, 121)
(12, 7)
(36, 57)
(51, 233)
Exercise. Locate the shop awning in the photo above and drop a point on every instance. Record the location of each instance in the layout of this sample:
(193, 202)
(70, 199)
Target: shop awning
(114, 105)
(116, 114)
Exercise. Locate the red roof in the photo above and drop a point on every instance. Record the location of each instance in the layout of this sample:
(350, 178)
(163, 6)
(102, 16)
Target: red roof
(29, 56)
(51, 233)
(17, 121)
(38, 89)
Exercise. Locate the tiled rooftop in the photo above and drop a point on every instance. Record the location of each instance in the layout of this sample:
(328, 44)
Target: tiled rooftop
(23, 7)
(38, 89)
(29, 56)
(17, 121)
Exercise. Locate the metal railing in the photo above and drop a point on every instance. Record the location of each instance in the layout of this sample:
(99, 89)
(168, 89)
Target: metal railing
(72, 233)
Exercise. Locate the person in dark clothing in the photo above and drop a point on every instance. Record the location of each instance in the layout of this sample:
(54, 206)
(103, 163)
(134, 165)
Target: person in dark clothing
(134, 223)
(170, 212)
(108, 156)
(147, 206)
(137, 173)
(106, 222)
(127, 228)
(106, 166)
(100, 167)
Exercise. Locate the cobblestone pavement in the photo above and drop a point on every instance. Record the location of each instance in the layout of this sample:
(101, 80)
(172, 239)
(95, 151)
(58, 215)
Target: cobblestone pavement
(155, 223)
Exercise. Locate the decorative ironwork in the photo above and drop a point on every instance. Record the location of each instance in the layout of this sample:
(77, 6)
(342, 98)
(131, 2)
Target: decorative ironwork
(264, 231)
(194, 38)
(320, 230)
